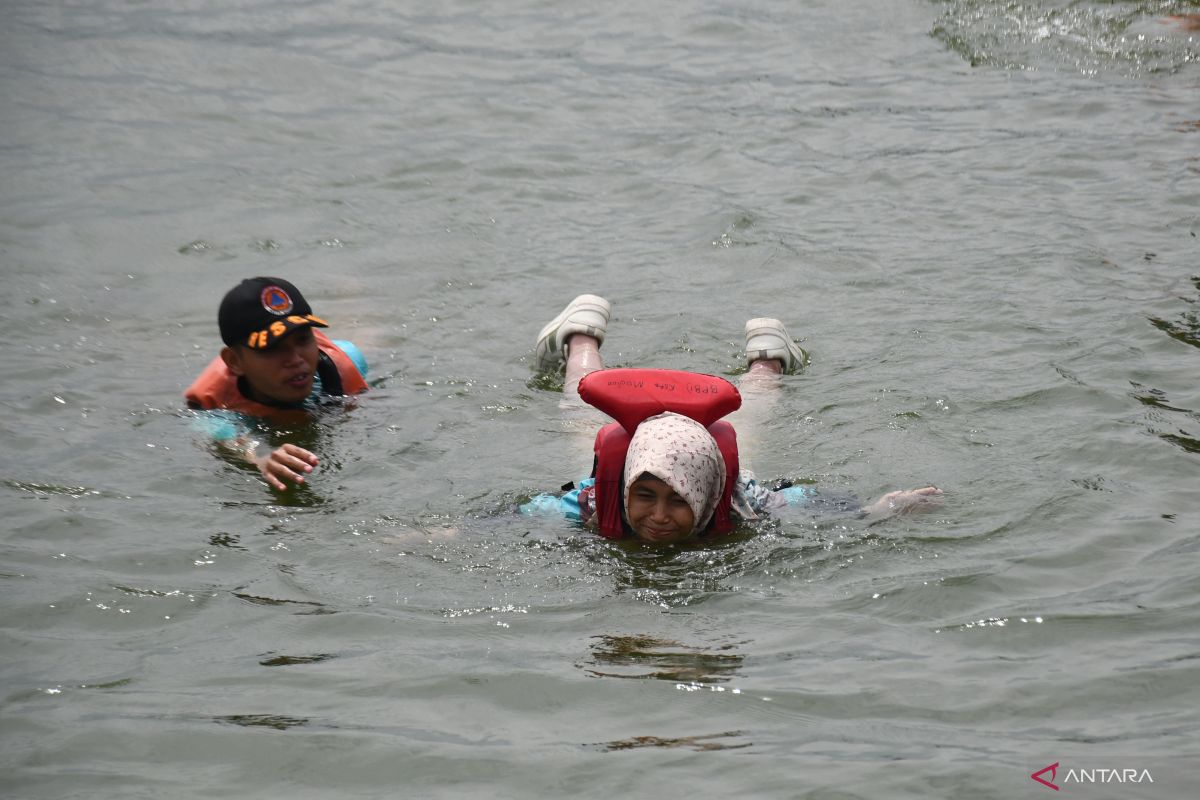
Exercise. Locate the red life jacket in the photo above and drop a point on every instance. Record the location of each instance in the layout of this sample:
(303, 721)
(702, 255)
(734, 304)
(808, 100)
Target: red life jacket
(217, 387)
(632, 395)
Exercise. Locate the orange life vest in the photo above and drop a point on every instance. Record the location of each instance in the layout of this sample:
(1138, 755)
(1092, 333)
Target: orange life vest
(632, 395)
(217, 387)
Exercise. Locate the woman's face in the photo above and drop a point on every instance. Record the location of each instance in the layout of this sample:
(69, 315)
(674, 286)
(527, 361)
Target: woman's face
(657, 513)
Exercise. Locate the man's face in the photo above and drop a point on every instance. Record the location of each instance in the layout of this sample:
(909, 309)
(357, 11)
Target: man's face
(283, 374)
(657, 513)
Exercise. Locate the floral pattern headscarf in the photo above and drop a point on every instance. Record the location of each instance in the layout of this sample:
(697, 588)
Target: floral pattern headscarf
(682, 454)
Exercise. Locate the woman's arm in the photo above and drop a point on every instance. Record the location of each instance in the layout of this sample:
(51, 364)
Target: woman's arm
(904, 502)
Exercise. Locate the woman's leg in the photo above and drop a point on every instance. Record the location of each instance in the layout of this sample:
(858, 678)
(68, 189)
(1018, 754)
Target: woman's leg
(759, 387)
(572, 340)
(765, 371)
(583, 356)
(771, 353)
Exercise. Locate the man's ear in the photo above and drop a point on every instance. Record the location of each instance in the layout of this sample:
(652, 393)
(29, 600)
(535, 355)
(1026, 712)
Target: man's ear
(233, 360)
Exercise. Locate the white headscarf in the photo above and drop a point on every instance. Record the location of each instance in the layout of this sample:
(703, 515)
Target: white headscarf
(682, 454)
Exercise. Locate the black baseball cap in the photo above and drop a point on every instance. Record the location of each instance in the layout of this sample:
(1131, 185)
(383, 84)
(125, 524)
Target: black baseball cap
(258, 312)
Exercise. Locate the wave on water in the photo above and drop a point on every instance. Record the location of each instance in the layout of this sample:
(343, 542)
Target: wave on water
(1089, 38)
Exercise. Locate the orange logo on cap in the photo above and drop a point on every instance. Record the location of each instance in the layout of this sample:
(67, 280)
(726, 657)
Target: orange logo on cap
(276, 300)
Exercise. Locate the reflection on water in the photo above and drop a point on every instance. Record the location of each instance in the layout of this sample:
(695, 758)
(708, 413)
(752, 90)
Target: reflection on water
(1181, 439)
(1186, 329)
(272, 660)
(229, 540)
(271, 601)
(649, 657)
(279, 723)
(701, 743)
(682, 575)
(1157, 399)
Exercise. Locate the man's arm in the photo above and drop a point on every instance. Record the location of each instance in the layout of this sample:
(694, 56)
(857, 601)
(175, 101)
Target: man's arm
(232, 433)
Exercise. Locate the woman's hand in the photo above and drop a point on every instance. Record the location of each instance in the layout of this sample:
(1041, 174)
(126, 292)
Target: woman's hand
(905, 501)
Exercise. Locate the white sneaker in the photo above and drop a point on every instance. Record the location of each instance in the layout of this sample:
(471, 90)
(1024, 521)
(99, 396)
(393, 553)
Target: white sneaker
(587, 313)
(766, 338)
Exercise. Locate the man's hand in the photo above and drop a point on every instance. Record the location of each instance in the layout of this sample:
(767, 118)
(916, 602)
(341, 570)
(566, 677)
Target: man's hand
(286, 463)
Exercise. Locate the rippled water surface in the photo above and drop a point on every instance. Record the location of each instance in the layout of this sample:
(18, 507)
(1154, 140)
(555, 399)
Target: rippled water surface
(980, 218)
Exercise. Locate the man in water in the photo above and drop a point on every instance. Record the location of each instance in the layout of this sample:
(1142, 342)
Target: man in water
(275, 366)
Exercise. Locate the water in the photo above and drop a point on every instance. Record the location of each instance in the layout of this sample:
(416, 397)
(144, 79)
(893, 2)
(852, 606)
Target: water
(980, 218)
